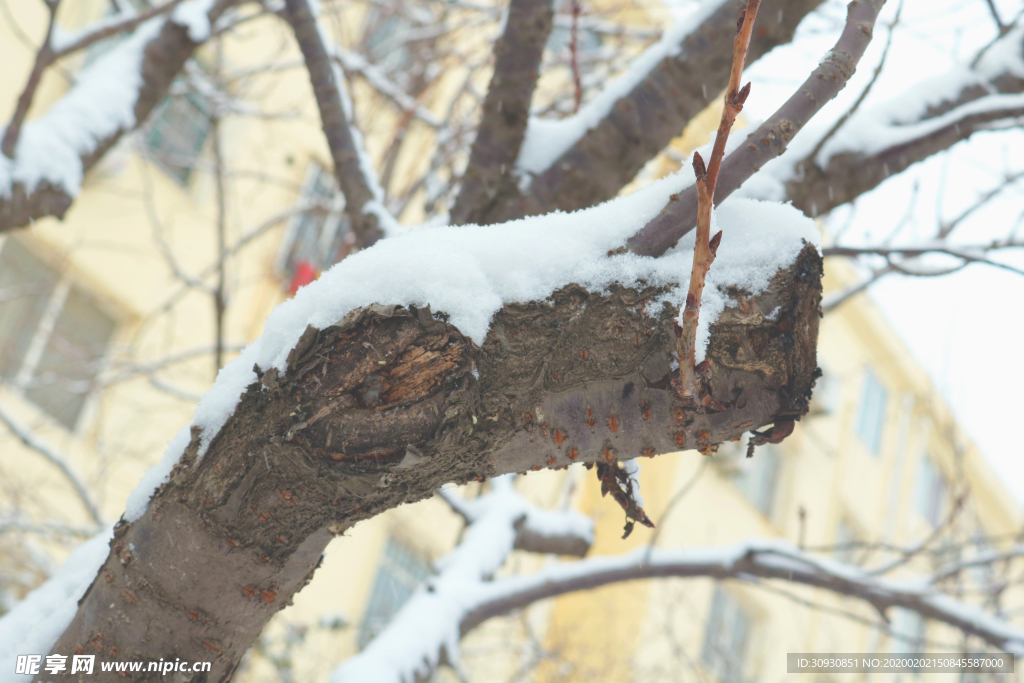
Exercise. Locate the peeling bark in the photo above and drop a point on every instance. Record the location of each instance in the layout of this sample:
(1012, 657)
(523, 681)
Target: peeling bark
(389, 404)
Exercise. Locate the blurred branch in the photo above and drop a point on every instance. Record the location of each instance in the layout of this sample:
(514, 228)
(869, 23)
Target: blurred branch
(55, 458)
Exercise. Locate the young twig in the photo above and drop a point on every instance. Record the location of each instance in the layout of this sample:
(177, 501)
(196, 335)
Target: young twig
(706, 246)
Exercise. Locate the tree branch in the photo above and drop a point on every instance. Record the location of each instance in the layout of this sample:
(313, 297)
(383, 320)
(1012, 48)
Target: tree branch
(50, 159)
(771, 138)
(618, 133)
(59, 460)
(364, 199)
(758, 558)
(506, 110)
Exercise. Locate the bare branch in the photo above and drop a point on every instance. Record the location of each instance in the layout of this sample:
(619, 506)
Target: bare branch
(364, 201)
(55, 458)
(506, 110)
(105, 29)
(43, 58)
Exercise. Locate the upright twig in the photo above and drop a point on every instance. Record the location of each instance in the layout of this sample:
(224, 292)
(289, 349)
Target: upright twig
(574, 56)
(706, 246)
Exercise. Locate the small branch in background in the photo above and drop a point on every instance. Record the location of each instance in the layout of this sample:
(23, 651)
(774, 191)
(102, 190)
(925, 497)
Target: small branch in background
(219, 292)
(44, 56)
(107, 28)
(59, 460)
(577, 82)
(706, 246)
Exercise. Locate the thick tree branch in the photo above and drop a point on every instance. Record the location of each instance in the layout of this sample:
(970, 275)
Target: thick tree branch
(771, 138)
(44, 175)
(506, 110)
(364, 200)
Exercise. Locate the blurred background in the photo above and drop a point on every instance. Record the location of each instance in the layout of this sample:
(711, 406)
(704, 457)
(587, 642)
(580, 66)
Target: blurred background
(114, 321)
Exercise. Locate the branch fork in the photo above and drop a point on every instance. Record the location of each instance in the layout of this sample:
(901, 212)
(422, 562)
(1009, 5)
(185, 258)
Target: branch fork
(706, 247)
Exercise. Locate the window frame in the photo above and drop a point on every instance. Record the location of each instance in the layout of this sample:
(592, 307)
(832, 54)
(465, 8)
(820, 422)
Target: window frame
(22, 379)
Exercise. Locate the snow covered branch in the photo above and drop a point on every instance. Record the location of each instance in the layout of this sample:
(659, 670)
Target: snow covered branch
(931, 117)
(364, 197)
(774, 135)
(506, 110)
(43, 172)
(426, 631)
(748, 561)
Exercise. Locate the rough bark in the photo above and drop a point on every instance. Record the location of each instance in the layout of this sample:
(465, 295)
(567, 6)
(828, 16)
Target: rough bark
(165, 56)
(389, 404)
(657, 110)
(506, 110)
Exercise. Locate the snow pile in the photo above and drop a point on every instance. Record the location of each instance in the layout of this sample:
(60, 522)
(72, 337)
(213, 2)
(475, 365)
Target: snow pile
(548, 139)
(428, 624)
(470, 272)
(102, 102)
(35, 623)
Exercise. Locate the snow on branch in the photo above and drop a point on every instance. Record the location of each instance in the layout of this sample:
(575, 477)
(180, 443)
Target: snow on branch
(54, 457)
(45, 159)
(469, 272)
(35, 623)
(426, 631)
(980, 94)
(747, 561)
(357, 178)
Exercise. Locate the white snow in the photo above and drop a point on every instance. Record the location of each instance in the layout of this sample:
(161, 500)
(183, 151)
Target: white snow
(102, 102)
(470, 272)
(548, 139)
(194, 15)
(35, 623)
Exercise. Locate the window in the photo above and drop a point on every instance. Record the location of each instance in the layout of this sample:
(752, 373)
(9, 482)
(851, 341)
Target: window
(52, 334)
(725, 639)
(931, 491)
(319, 237)
(757, 477)
(177, 131)
(872, 413)
(400, 573)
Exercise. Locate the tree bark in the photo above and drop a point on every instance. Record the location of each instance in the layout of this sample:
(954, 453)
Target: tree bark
(389, 404)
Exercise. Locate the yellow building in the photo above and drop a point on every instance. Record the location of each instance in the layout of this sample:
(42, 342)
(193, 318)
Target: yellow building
(109, 331)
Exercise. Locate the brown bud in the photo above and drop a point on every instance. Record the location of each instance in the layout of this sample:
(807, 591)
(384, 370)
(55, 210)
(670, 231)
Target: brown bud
(741, 96)
(699, 169)
(691, 299)
(713, 243)
(739, 20)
